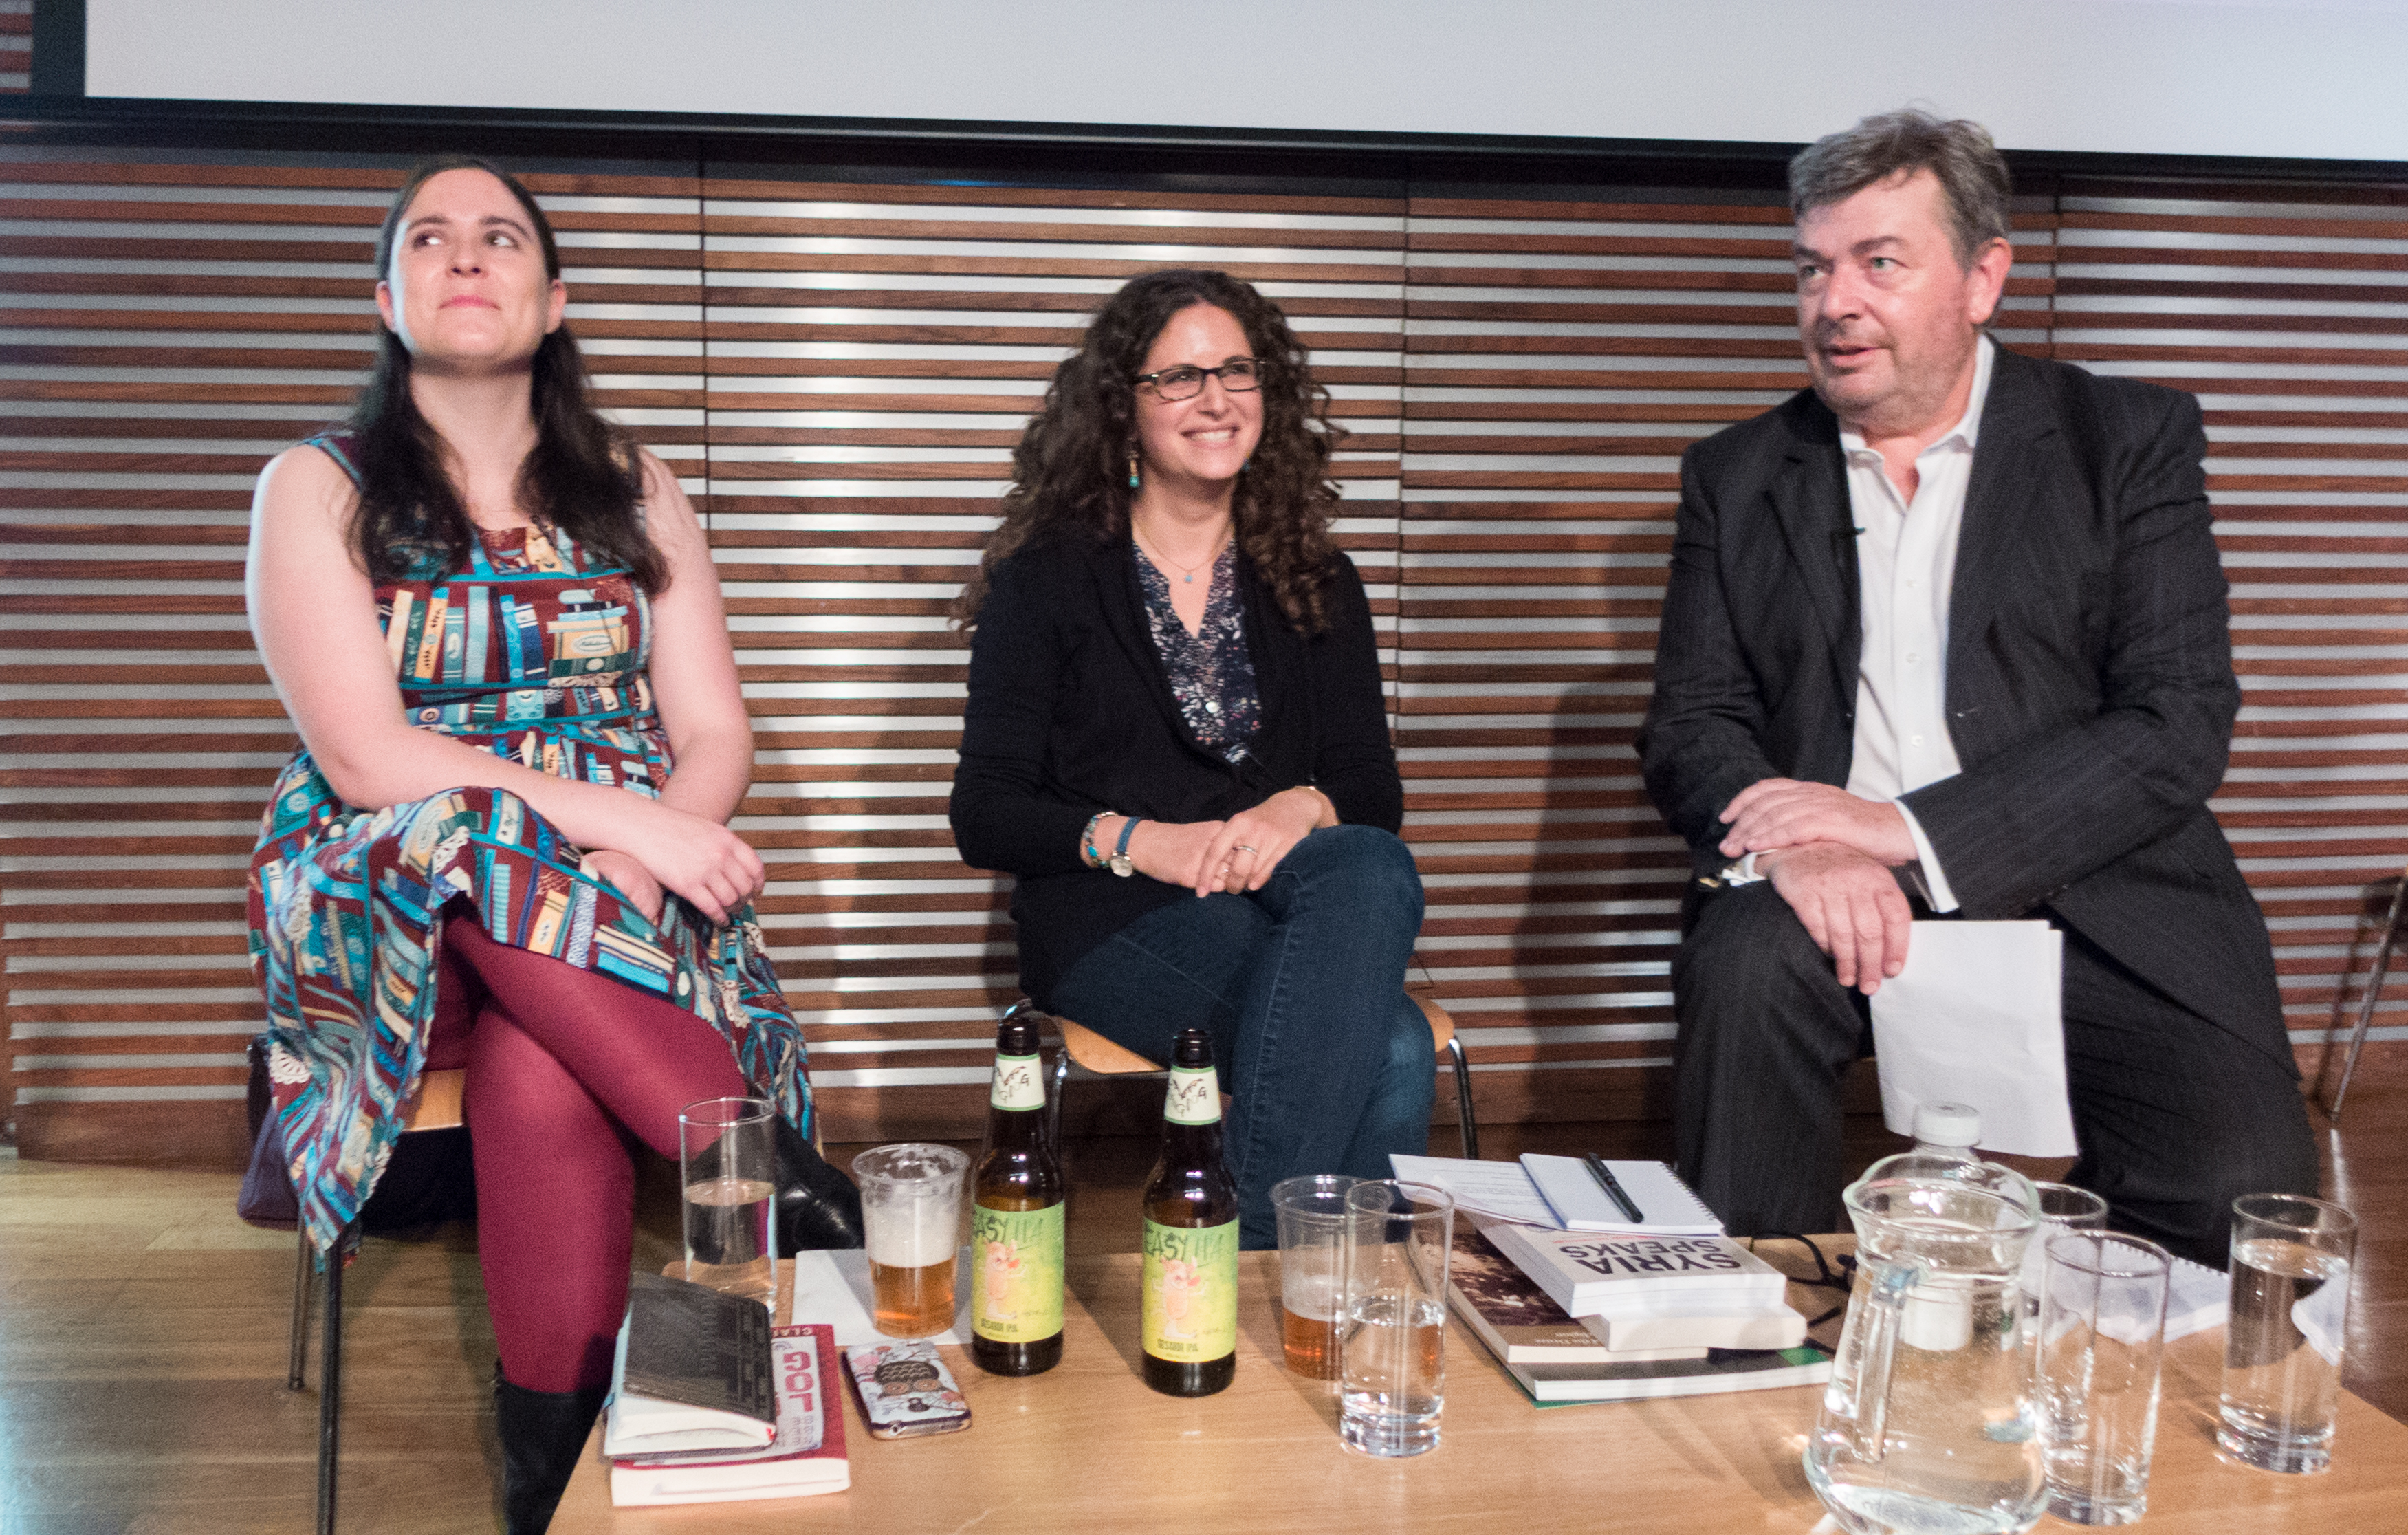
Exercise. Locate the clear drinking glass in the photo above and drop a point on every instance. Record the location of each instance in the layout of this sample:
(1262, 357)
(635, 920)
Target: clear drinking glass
(2102, 1337)
(1392, 1317)
(2063, 1208)
(2283, 1340)
(728, 1168)
(1311, 1213)
(911, 1219)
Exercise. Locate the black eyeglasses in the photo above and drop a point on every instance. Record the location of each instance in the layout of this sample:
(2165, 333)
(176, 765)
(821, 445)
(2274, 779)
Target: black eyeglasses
(1239, 375)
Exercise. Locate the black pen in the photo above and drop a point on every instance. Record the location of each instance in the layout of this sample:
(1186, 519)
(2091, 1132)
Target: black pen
(1605, 1180)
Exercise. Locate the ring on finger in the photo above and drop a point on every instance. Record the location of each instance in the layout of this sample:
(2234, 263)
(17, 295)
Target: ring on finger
(1245, 847)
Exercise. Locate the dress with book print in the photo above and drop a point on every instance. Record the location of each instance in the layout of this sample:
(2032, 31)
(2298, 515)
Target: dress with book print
(535, 653)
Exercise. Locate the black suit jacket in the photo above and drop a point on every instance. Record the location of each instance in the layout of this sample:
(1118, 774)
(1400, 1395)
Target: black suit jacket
(1071, 712)
(2089, 688)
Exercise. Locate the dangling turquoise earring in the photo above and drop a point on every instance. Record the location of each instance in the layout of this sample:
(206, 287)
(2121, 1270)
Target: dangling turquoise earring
(1134, 482)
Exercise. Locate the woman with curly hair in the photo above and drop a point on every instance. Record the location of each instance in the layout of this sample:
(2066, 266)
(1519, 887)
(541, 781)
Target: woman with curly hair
(1175, 736)
(503, 845)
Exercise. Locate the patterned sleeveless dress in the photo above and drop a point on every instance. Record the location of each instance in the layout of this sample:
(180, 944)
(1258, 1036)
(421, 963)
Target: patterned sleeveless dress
(534, 654)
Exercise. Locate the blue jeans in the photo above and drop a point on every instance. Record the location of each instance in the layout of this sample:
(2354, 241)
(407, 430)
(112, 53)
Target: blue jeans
(1301, 986)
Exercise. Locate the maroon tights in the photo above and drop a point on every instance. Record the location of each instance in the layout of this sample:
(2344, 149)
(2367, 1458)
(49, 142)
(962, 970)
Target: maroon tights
(562, 1065)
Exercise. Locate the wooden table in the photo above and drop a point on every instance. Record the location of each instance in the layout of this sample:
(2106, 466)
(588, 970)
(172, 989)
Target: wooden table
(1086, 1447)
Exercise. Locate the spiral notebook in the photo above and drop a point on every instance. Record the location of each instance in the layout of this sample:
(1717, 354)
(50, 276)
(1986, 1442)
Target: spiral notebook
(1581, 1203)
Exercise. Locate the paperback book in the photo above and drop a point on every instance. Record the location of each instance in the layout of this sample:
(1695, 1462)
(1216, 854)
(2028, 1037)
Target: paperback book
(1516, 1320)
(808, 1455)
(1721, 1369)
(1586, 1272)
(691, 1372)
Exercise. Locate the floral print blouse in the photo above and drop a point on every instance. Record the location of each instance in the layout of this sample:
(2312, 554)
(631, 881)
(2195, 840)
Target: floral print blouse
(1211, 673)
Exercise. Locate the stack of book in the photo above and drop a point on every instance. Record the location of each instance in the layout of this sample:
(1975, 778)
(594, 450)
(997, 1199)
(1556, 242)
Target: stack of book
(711, 1404)
(1666, 1306)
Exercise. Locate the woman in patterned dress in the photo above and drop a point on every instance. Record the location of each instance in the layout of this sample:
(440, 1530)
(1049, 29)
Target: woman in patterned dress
(503, 844)
(1175, 736)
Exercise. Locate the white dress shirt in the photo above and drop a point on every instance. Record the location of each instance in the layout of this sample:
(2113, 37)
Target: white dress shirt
(1906, 565)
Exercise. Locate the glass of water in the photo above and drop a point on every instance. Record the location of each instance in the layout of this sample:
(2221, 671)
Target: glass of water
(2283, 1342)
(1392, 1317)
(2102, 1337)
(727, 1167)
(2063, 1208)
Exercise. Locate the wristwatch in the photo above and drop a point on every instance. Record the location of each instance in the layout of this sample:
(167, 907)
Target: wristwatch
(1119, 863)
(1742, 870)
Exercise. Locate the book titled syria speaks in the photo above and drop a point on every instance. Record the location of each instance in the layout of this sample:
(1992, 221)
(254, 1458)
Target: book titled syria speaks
(1582, 1271)
(692, 1372)
(1516, 1320)
(808, 1455)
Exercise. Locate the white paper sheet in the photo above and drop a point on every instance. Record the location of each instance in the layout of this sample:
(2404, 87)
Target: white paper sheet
(1976, 1018)
(1502, 1189)
(834, 1288)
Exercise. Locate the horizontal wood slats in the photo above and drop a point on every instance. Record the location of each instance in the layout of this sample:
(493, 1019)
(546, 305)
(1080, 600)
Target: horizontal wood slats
(838, 370)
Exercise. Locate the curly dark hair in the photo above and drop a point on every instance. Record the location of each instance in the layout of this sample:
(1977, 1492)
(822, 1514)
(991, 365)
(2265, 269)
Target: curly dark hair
(583, 477)
(1070, 471)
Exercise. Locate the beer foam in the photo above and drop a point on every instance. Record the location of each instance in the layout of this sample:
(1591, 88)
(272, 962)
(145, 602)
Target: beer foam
(910, 1233)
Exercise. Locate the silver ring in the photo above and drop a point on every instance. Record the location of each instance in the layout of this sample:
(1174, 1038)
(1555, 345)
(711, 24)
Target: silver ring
(1244, 848)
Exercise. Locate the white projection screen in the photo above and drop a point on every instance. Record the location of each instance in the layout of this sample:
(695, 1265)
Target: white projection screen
(2289, 79)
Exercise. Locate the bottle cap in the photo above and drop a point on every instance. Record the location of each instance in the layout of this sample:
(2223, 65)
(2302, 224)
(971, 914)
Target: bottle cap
(1947, 1124)
(1017, 1036)
(1192, 1051)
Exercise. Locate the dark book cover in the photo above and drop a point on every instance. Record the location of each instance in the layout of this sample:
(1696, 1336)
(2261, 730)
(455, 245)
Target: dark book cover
(689, 1344)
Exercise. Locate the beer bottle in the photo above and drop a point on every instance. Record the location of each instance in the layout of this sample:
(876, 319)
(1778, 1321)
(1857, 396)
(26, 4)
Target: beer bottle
(1016, 1218)
(1189, 1321)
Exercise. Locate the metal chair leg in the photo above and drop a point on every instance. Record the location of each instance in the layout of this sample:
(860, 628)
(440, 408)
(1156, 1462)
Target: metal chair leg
(2373, 993)
(300, 1342)
(1464, 1120)
(330, 1380)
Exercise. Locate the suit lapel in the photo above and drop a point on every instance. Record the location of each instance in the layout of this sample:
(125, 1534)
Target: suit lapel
(1810, 497)
(1998, 497)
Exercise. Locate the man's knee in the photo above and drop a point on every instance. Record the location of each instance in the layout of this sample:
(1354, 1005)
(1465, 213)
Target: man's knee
(1749, 964)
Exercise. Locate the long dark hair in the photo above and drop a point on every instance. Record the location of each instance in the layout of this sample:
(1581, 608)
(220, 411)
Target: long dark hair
(581, 477)
(1070, 471)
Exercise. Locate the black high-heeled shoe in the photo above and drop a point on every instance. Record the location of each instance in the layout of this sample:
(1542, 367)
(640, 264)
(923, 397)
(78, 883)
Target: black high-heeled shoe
(818, 1206)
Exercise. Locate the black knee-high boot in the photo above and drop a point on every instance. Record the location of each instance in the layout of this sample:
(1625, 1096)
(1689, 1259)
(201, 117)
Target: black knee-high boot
(542, 1434)
(817, 1204)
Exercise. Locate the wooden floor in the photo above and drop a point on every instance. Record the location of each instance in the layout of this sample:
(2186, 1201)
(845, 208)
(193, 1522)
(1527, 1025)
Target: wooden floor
(142, 1335)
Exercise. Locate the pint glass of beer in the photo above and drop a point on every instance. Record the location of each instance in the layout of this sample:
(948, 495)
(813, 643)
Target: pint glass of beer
(912, 1210)
(1311, 1212)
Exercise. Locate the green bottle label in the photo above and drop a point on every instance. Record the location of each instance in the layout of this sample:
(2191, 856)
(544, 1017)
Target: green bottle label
(1016, 1275)
(1019, 1083)
(1194, 1098)
(1191, 1291)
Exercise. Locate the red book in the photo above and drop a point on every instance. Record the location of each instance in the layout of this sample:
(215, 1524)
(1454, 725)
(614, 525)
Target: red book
(807, 1456)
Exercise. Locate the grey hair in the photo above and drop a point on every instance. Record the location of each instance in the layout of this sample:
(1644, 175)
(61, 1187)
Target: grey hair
(1970, 170)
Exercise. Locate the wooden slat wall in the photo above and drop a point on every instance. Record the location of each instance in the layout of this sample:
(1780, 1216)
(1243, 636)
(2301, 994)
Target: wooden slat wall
(2286, 308)
(16, 46)
(838, 369)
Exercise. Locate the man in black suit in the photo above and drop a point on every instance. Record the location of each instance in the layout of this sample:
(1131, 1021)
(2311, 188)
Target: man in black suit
(1953, 623)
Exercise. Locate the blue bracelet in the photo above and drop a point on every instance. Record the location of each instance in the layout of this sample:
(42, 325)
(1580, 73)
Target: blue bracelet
(1120, 860)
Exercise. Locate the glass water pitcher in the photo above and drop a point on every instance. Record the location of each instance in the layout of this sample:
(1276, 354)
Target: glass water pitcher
(1928, 1424)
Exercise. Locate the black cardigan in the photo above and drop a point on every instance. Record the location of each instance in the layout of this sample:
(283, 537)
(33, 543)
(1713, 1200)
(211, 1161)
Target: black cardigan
(1071, 712)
